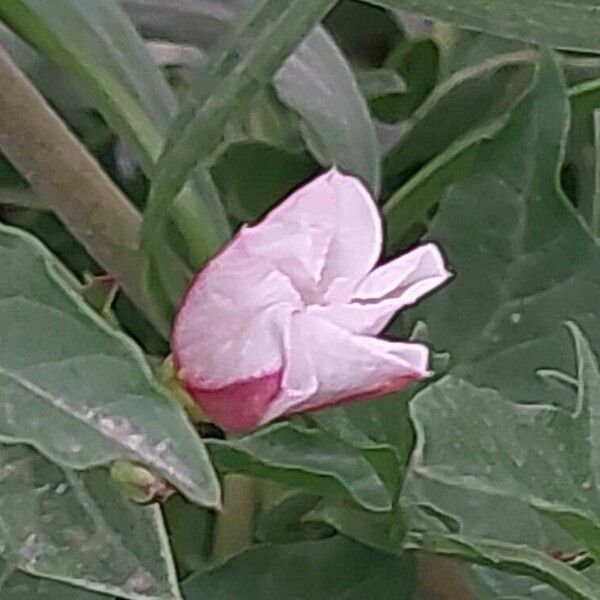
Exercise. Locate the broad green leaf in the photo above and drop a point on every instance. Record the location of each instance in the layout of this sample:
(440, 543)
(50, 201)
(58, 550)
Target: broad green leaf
(540, 455)
(461, 48)
(282, 522)
(333, 568)
(252, 176)
(472, 97)
(198, 22)
(317, 82)
(417, 63)
(190, 530)
(78, 390)
(381, 431)
(571, 24)
(253, 51)
(516, 283)
(508, 557)
(383, 455)
(304, 458)
(535, 268)
(382, 531)
(19, 586)
(77, 529)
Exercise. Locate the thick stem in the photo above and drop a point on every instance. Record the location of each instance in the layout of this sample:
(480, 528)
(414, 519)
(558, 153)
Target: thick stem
(70, 181)
(234, 525)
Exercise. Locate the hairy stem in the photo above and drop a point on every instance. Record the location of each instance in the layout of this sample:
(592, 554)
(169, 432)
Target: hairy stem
(70, 181)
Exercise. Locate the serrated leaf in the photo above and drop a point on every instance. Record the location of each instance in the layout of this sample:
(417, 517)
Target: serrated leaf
(338, 132)
(78, 390)
(77, 529)
(570, 24)
(306, 459)
(333, 568)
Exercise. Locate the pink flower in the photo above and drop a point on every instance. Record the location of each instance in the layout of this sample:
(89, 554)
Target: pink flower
(285, 318)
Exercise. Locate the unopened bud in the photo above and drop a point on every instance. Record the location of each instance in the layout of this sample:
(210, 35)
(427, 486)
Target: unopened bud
(138, 484)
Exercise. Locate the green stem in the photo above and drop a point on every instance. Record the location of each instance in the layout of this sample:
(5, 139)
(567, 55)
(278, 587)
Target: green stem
(234, 525)
(70, 181)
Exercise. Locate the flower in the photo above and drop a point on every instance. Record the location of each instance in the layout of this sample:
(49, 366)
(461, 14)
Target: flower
(284, 319)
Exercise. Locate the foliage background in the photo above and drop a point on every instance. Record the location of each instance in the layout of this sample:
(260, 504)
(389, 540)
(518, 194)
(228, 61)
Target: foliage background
(137, 135)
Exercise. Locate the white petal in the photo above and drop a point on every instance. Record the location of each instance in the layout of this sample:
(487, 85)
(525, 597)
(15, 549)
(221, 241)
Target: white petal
(325, 235)
(230, 326)
(388, 289)
(358, 240)
(347, 366)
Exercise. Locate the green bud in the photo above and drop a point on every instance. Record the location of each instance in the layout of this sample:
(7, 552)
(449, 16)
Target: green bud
(138, 484)
(168, 377)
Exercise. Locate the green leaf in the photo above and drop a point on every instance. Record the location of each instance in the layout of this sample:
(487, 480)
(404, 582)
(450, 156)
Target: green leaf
(304, 458)
(333, 568)
(538, 454)
(282, 522)
(377, 83)
(338, 132)
(247, 59)
(509, 557)
(570, 24)
(417, 63)
(537, 267)
(471, 97)
(76, 528)
(78, 390)
(382, 432)
(97, 44)
(252, 176)
(382, 531)
(516, 283)
(462, 48)
(19, 586)
(198, 22)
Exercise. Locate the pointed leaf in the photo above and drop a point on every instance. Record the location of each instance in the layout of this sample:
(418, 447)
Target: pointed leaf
(77, 529)
(339, 132)
(77, 389)
(303, 458)
(332, 568)
(570, 24)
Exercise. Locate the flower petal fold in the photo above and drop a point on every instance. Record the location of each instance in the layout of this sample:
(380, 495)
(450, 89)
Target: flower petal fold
(284, 318)
(388, 289)
(325, 237)
(346, 366)
(230, 326)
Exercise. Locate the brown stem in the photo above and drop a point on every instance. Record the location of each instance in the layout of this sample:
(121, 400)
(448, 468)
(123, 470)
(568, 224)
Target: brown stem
(70, 181)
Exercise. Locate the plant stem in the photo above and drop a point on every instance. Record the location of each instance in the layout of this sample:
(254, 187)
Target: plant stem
(70, 181)
(234, 525)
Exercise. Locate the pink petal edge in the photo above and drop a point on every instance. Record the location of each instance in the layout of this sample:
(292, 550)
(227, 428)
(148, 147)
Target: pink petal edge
(240, 406)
